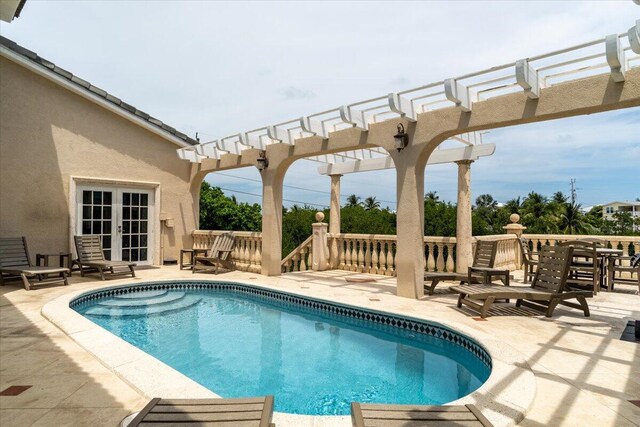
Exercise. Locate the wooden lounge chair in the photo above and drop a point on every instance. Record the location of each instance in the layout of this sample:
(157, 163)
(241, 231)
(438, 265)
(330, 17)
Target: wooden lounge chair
(15, 261)
(549, 287)
(218, 255)
(91, 255)
(374, 415)
(585, 265)
(529, 260)
(245, 412)
(483, 261)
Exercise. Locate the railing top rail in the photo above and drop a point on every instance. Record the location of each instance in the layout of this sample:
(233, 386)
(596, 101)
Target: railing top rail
(219, 232)
(582, 236)
(307, 242)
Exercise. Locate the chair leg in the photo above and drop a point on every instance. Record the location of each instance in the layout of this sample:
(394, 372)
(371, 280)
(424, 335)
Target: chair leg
(460, 298)
(434, 283)
(1, 279)
(518, 303)
(64, 277)
(585, 307)
(486, 306)
(133, 272)
(25, 282)
(101, 273)
(551, 307)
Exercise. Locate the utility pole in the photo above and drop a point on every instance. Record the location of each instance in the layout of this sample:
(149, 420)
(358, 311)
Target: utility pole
(574, 191)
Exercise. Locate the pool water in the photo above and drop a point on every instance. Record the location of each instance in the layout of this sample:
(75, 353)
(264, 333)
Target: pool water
(313, 363)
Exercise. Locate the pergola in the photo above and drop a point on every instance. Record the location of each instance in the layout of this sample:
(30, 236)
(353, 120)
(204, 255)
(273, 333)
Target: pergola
(596, 76)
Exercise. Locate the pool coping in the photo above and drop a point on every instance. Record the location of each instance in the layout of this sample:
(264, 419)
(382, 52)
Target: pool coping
(504, 398)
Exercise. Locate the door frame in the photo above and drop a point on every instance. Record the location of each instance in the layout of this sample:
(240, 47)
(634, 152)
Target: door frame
(154, 220)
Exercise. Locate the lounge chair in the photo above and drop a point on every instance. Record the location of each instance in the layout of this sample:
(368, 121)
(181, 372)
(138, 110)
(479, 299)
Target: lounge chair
(218, 255)
(529, 260)
(91, 255)
(15, 261)
(549, 287)
(245, 412)
(585, 266)
(483, 261)
(374, 415)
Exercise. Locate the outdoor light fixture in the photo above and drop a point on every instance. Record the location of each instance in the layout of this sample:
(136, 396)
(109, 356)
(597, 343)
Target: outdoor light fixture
(401, 138)
(262, 161)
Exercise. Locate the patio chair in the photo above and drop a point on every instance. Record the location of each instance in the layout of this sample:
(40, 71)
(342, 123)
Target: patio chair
(218, 255)
(548, 289)
(91, 255)
(529, 260)
(585, 265)
(366, 415)
(483, 260)
(246, 412)
(618, 265)
(15, 261)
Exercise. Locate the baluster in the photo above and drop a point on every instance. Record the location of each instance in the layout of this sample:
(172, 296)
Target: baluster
(347, 255)
(391, 266)
(341, 251)
(440, 260)
(374, 257)
(296, 261)
(354, 255)
(252, 254)
(382, 258)
(367, 256)
(258, 254)
(431, 262)
(424, 255)
(450, 265)
(303, 259)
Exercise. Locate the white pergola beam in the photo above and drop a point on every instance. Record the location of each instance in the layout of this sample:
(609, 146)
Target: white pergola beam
(448, 155)
(615, 57)
(634, 37)
(457, 93)
(527, 78)
(403, 106)
(313, 126)
(353, 117)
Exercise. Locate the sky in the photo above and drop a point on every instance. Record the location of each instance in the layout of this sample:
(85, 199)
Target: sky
(219, 68)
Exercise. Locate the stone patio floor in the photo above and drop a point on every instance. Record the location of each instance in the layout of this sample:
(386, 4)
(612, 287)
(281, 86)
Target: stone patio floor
(585, 375)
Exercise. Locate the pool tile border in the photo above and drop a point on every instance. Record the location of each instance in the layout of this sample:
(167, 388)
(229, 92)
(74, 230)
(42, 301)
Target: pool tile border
(422, 327)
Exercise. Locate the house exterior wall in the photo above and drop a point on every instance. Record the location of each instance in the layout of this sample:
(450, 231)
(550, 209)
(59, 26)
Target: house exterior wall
(609, 209)
(48, 135)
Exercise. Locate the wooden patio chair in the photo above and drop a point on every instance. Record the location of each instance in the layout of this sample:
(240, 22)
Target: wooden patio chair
(15, 261)
(218, 256)
(483, 261)
(619, 265)
(370, 415)
(548, 289)
(529, 260)
(585, 266)
(91, 255)
(245, 412)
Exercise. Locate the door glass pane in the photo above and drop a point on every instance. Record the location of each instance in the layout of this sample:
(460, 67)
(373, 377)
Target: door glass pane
(96, 216)
(134, 226)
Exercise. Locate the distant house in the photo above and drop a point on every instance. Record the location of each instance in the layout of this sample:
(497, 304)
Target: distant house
(610, 208)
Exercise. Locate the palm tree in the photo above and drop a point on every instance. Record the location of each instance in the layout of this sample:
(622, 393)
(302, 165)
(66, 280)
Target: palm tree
(535, 209)
(486, 201)
(371, 203)
(559, 197)
(432, 196)
(352, 201)
(572, 219)
(513, 206)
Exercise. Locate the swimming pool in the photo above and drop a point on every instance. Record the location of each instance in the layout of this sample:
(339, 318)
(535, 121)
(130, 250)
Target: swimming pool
(315, 356)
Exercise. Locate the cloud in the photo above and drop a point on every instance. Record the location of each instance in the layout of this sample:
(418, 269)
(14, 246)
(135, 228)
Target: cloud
(292, 93)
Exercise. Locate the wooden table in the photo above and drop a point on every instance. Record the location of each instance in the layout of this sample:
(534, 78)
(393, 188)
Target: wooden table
(191, 254)
(605, 255)
(42, 260)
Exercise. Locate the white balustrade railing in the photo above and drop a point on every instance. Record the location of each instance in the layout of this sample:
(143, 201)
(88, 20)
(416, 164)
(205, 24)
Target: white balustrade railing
(508, 251)
(300, 258)
(247, 250)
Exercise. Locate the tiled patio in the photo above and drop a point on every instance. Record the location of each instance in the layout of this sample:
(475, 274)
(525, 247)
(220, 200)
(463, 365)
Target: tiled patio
(584, 374)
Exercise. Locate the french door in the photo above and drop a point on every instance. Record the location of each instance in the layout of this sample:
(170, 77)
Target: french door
(122, 217)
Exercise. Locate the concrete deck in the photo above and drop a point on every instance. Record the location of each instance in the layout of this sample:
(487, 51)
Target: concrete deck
(584, 374)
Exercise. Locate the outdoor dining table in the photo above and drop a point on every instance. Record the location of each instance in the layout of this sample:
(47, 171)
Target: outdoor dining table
(605, 254)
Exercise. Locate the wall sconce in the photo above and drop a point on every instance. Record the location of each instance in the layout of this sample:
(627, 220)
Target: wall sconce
(401, 138)
(262, 162)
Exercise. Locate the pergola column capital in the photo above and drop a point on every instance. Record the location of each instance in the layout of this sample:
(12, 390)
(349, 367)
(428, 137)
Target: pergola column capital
(464, 162)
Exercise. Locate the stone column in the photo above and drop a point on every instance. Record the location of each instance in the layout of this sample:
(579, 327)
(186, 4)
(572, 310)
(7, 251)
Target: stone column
(464, 237)
(272, 180)
(334, 219)
(410, 224)
(517, 229)
(320, 250)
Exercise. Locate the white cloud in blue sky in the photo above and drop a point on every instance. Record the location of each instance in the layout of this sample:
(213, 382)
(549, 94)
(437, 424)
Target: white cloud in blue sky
(223, 67)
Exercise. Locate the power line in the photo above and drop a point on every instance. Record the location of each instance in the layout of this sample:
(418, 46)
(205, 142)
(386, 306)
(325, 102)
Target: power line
(260, 195)
(293, 186)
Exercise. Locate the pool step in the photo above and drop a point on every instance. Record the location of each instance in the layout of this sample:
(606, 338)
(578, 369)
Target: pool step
(167, 298)
(142, 294)
(146, 310)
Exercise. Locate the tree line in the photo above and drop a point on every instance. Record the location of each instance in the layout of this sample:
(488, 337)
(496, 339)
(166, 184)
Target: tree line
(540, 214)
